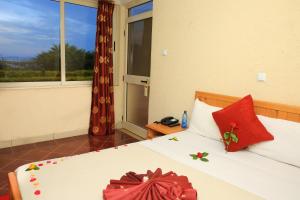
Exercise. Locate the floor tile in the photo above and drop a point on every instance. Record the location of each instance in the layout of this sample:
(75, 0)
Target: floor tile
(3, 177)
(4, 162)
(46, 146)
(52, 155)
(35, 154)
(15, 164)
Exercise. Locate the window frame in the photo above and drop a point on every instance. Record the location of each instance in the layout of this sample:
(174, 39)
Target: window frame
(62, 82)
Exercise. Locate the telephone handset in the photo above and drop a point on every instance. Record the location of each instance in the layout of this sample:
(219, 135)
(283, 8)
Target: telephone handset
(169, 121)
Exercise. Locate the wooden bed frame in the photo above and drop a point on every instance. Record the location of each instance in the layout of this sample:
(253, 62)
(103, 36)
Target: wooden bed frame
(275, 110)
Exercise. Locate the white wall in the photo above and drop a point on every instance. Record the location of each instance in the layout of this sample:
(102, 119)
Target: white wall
(220, 46)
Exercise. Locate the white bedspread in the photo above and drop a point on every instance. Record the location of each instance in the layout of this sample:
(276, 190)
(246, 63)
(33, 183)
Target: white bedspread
(243, 175)
(85, 176)
(259, 175)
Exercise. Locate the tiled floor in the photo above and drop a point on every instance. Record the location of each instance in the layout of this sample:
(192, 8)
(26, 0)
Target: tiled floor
(11, 158)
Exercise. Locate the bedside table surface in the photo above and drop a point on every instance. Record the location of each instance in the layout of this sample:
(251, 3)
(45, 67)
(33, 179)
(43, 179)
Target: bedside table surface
(164, 129)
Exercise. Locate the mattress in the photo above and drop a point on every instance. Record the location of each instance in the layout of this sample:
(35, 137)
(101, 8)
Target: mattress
(241, 175)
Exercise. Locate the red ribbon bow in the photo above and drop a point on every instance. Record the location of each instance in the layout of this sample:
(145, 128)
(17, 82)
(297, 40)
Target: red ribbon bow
(154, 186)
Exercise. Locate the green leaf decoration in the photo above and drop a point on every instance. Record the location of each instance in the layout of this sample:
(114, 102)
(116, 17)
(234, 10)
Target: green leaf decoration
(174, 139)
(227, 142)
(36, 168)
(204, 159)
(226, 135)
(194, 156)
(234, 137)
(204, 154)
(27, 170)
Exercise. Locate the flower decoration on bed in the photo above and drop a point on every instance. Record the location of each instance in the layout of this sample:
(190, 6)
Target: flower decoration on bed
(174, 139)
(201, 156)
(33, 179)
(32, 167)
(152, 185)
(231, 136)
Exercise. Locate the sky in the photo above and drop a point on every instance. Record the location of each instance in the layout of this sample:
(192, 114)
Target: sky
(28, 27)
(141, 8)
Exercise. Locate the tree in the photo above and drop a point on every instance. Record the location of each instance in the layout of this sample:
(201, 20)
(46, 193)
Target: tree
(3, 64)
(49, 60)
(76, 58)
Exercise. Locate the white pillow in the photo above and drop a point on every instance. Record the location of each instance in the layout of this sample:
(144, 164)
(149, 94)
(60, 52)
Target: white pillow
(286, 144)
(203, 122)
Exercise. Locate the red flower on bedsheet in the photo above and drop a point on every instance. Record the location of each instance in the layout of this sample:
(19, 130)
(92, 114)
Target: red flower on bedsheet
(201, 156)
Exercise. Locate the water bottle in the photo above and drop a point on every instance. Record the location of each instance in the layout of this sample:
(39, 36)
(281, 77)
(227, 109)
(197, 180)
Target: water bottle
(184, 120)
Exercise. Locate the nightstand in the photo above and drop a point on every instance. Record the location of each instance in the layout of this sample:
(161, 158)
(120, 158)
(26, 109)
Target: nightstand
(159, 129)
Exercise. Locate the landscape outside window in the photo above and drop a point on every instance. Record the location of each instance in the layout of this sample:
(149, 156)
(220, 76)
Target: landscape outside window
(80, 33)
(30, 41)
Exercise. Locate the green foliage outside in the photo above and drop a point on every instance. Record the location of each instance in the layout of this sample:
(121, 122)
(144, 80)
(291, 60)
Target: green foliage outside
(46, 66)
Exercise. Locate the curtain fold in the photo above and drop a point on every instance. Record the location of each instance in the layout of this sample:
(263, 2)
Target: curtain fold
(102, 116)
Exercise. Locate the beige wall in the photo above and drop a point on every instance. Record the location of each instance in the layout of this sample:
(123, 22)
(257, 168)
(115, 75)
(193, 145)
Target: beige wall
(36, 114)
(40, 112)
(220, 46)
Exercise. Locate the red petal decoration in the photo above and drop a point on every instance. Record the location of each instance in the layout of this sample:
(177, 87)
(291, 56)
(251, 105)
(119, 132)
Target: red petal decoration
(32, 179)
(199, 155)
(154, 186)
(37, 192)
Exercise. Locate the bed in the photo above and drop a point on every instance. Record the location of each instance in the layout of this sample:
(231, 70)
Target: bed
(240, 175)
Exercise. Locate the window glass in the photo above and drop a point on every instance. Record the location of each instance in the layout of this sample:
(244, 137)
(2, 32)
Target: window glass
(140, 9)
(29, 41)
(139, 47)
(80, 33)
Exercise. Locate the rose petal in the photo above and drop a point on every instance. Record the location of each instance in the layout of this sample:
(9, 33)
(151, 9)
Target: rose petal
(37, 192)
(32, 179)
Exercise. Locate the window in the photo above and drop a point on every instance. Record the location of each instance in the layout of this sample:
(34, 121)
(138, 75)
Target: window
(148, 6)
(139, 47)
(29, 41)
(30, 46)
(80, 33)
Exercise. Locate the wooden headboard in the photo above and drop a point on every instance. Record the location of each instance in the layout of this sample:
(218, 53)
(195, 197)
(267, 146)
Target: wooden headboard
(275, 110)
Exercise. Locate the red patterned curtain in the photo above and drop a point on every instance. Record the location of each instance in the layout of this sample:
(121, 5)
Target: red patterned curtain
(102, 117)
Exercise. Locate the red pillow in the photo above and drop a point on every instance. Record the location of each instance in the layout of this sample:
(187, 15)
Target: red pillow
(239, 125)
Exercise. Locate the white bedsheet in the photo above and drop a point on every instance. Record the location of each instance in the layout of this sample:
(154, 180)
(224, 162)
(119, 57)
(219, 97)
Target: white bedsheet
(262, 176)
(85, 176)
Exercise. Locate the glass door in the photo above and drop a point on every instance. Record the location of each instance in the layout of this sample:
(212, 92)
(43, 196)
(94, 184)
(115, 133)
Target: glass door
(137, 78)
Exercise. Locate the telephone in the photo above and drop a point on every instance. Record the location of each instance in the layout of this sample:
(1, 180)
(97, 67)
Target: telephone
(169, 121)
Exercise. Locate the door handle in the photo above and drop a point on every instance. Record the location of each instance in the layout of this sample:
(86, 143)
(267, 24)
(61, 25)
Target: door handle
(144, 82)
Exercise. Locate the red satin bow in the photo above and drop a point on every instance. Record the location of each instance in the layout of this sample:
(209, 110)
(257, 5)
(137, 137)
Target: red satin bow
(150, 186)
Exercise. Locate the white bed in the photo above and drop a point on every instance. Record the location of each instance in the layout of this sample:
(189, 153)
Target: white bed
(85, 176)
(239, 175)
